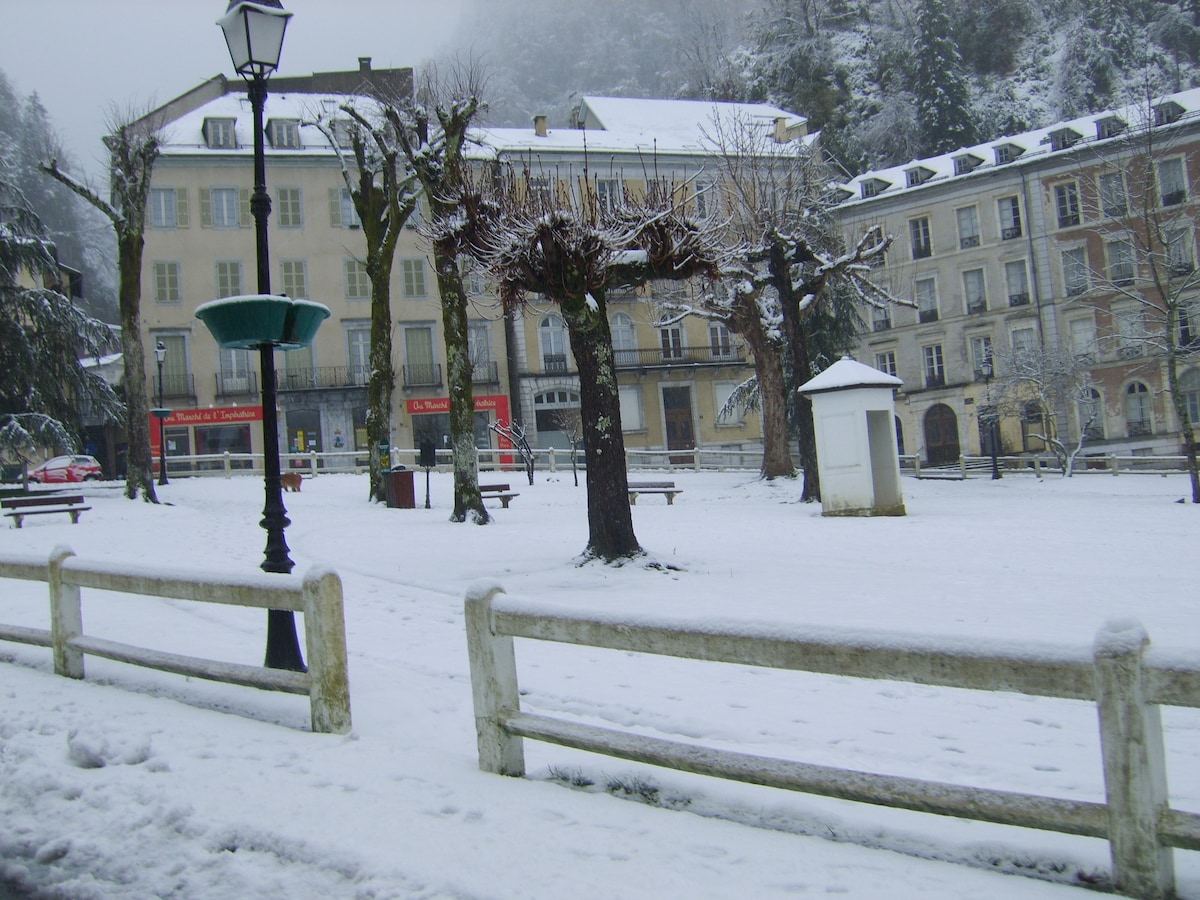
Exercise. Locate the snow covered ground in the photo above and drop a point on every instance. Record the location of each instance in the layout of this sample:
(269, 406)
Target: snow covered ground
(139, 784)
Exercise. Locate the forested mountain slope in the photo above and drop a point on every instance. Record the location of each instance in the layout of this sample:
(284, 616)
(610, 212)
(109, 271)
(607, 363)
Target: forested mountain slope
(886, 80)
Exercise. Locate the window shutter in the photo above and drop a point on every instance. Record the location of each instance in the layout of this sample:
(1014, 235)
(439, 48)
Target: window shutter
(243, 207)
(335, 208)
(181, 208)
(205, 208)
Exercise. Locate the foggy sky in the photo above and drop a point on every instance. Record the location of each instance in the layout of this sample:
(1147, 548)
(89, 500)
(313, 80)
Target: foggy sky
(85, 56)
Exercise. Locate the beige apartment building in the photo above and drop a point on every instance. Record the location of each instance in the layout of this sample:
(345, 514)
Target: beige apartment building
(1038, 240)
(674, 378)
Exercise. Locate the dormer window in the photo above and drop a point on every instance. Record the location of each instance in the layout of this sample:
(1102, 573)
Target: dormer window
(966, 162)
(284, 134)
(918, 175)
(219, 134)
(841, 195)
(1006, 153)
(1063, 138)
(873, 187)
(1167, 112)
(1109, 127)
(341, 133)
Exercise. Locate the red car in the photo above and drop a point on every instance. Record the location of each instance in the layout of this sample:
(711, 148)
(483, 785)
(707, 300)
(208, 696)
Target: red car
(65, 469)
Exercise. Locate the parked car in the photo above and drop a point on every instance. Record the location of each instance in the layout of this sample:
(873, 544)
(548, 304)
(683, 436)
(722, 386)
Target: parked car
(66, 469)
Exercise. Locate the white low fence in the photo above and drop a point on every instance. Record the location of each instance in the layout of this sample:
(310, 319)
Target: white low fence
(1121, 676)
(697, 459)
(317, 594)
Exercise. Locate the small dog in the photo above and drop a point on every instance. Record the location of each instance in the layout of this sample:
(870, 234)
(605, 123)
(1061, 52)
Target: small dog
(291, 481)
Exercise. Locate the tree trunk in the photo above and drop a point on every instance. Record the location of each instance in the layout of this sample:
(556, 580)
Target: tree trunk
(139, 466)
(610, 521)
(467, 501)
(382, 379)
(1186, 431)
(772, 394)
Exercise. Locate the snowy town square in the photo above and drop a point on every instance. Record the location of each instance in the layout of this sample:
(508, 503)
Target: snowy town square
(135, 783)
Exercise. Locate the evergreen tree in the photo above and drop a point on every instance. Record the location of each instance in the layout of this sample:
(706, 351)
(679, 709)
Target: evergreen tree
(942, 93)
(42, 337)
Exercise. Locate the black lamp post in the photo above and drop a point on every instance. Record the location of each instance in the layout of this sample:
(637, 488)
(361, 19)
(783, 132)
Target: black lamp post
(992, 418)
(254, 35)
(160, 354)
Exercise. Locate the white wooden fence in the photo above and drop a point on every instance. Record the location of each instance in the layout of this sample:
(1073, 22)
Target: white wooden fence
(317, 594)
(1120, 675)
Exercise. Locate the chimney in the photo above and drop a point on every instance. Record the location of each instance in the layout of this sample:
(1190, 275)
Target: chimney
(364, 64)
(539, 125)
(781, 130)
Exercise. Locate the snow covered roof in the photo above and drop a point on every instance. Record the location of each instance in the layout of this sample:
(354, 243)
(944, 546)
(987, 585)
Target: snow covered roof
(846, 374)
(633, 125)
(1032, 146)
(186, 134)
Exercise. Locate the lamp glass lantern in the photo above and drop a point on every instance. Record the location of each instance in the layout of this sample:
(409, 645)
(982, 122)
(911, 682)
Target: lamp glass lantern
(254, 35)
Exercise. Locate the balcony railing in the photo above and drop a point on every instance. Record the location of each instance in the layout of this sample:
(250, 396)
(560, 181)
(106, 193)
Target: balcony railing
(173, 387)
(1140, 429)
(322, 377)
(968, 241)
(882, 324)
(927, 315)
(424, 375)
(554, 363)
(231, 385)
(934, 381)
(1007, 234)
(922, 251)
(976, 306)
(678, 356)
(1021, 299)
(485, 373)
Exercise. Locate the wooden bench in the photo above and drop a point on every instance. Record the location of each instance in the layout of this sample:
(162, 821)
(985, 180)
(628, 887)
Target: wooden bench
(500, 492)
(653, 487)
(20, 507)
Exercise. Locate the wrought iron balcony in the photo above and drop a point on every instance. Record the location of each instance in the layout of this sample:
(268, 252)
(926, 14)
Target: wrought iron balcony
(485, 373)
(234, 385)
(423, 375)
(322, 377)
(1020, 299)
(554, 363)
(174, 386)
(658, 357)
(927, 315)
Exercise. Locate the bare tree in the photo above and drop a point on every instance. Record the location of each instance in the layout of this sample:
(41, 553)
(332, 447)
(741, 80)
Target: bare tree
(1148, 291)
(569, 247)
(570, 423)
(133, 144)
(432, 133)
(384, 197)
(1041, 385)
(787, 267)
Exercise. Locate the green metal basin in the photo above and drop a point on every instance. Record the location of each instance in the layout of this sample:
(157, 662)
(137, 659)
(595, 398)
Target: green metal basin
(254, 320)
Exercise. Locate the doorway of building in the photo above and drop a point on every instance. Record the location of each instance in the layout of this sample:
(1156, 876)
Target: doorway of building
(941, 435)
(304, 435)
(677, 412)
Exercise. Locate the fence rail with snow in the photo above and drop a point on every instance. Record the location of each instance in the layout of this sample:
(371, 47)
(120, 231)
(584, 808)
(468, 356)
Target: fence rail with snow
(696, 459)
(317, 594)
(1125, 679)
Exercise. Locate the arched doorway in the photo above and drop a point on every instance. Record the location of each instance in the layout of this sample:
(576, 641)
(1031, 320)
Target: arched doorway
(941, 435)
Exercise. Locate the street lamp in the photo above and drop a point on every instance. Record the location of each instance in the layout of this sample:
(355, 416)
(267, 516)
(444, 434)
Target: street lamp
(254, 35)
(992, 418)
(160, 354)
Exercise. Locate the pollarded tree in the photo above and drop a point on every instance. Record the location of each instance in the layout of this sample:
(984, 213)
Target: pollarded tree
(133, 146)
(383, 192)
(570, 248)
(432, 133)
(789, 267)
(42, 338)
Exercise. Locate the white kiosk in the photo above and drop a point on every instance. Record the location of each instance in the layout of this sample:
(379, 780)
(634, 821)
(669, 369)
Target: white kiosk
(854, 413)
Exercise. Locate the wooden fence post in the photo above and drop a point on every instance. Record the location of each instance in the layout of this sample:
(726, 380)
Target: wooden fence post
(493, 684)
(325, 638)
(66, 616)
(1135, 772)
